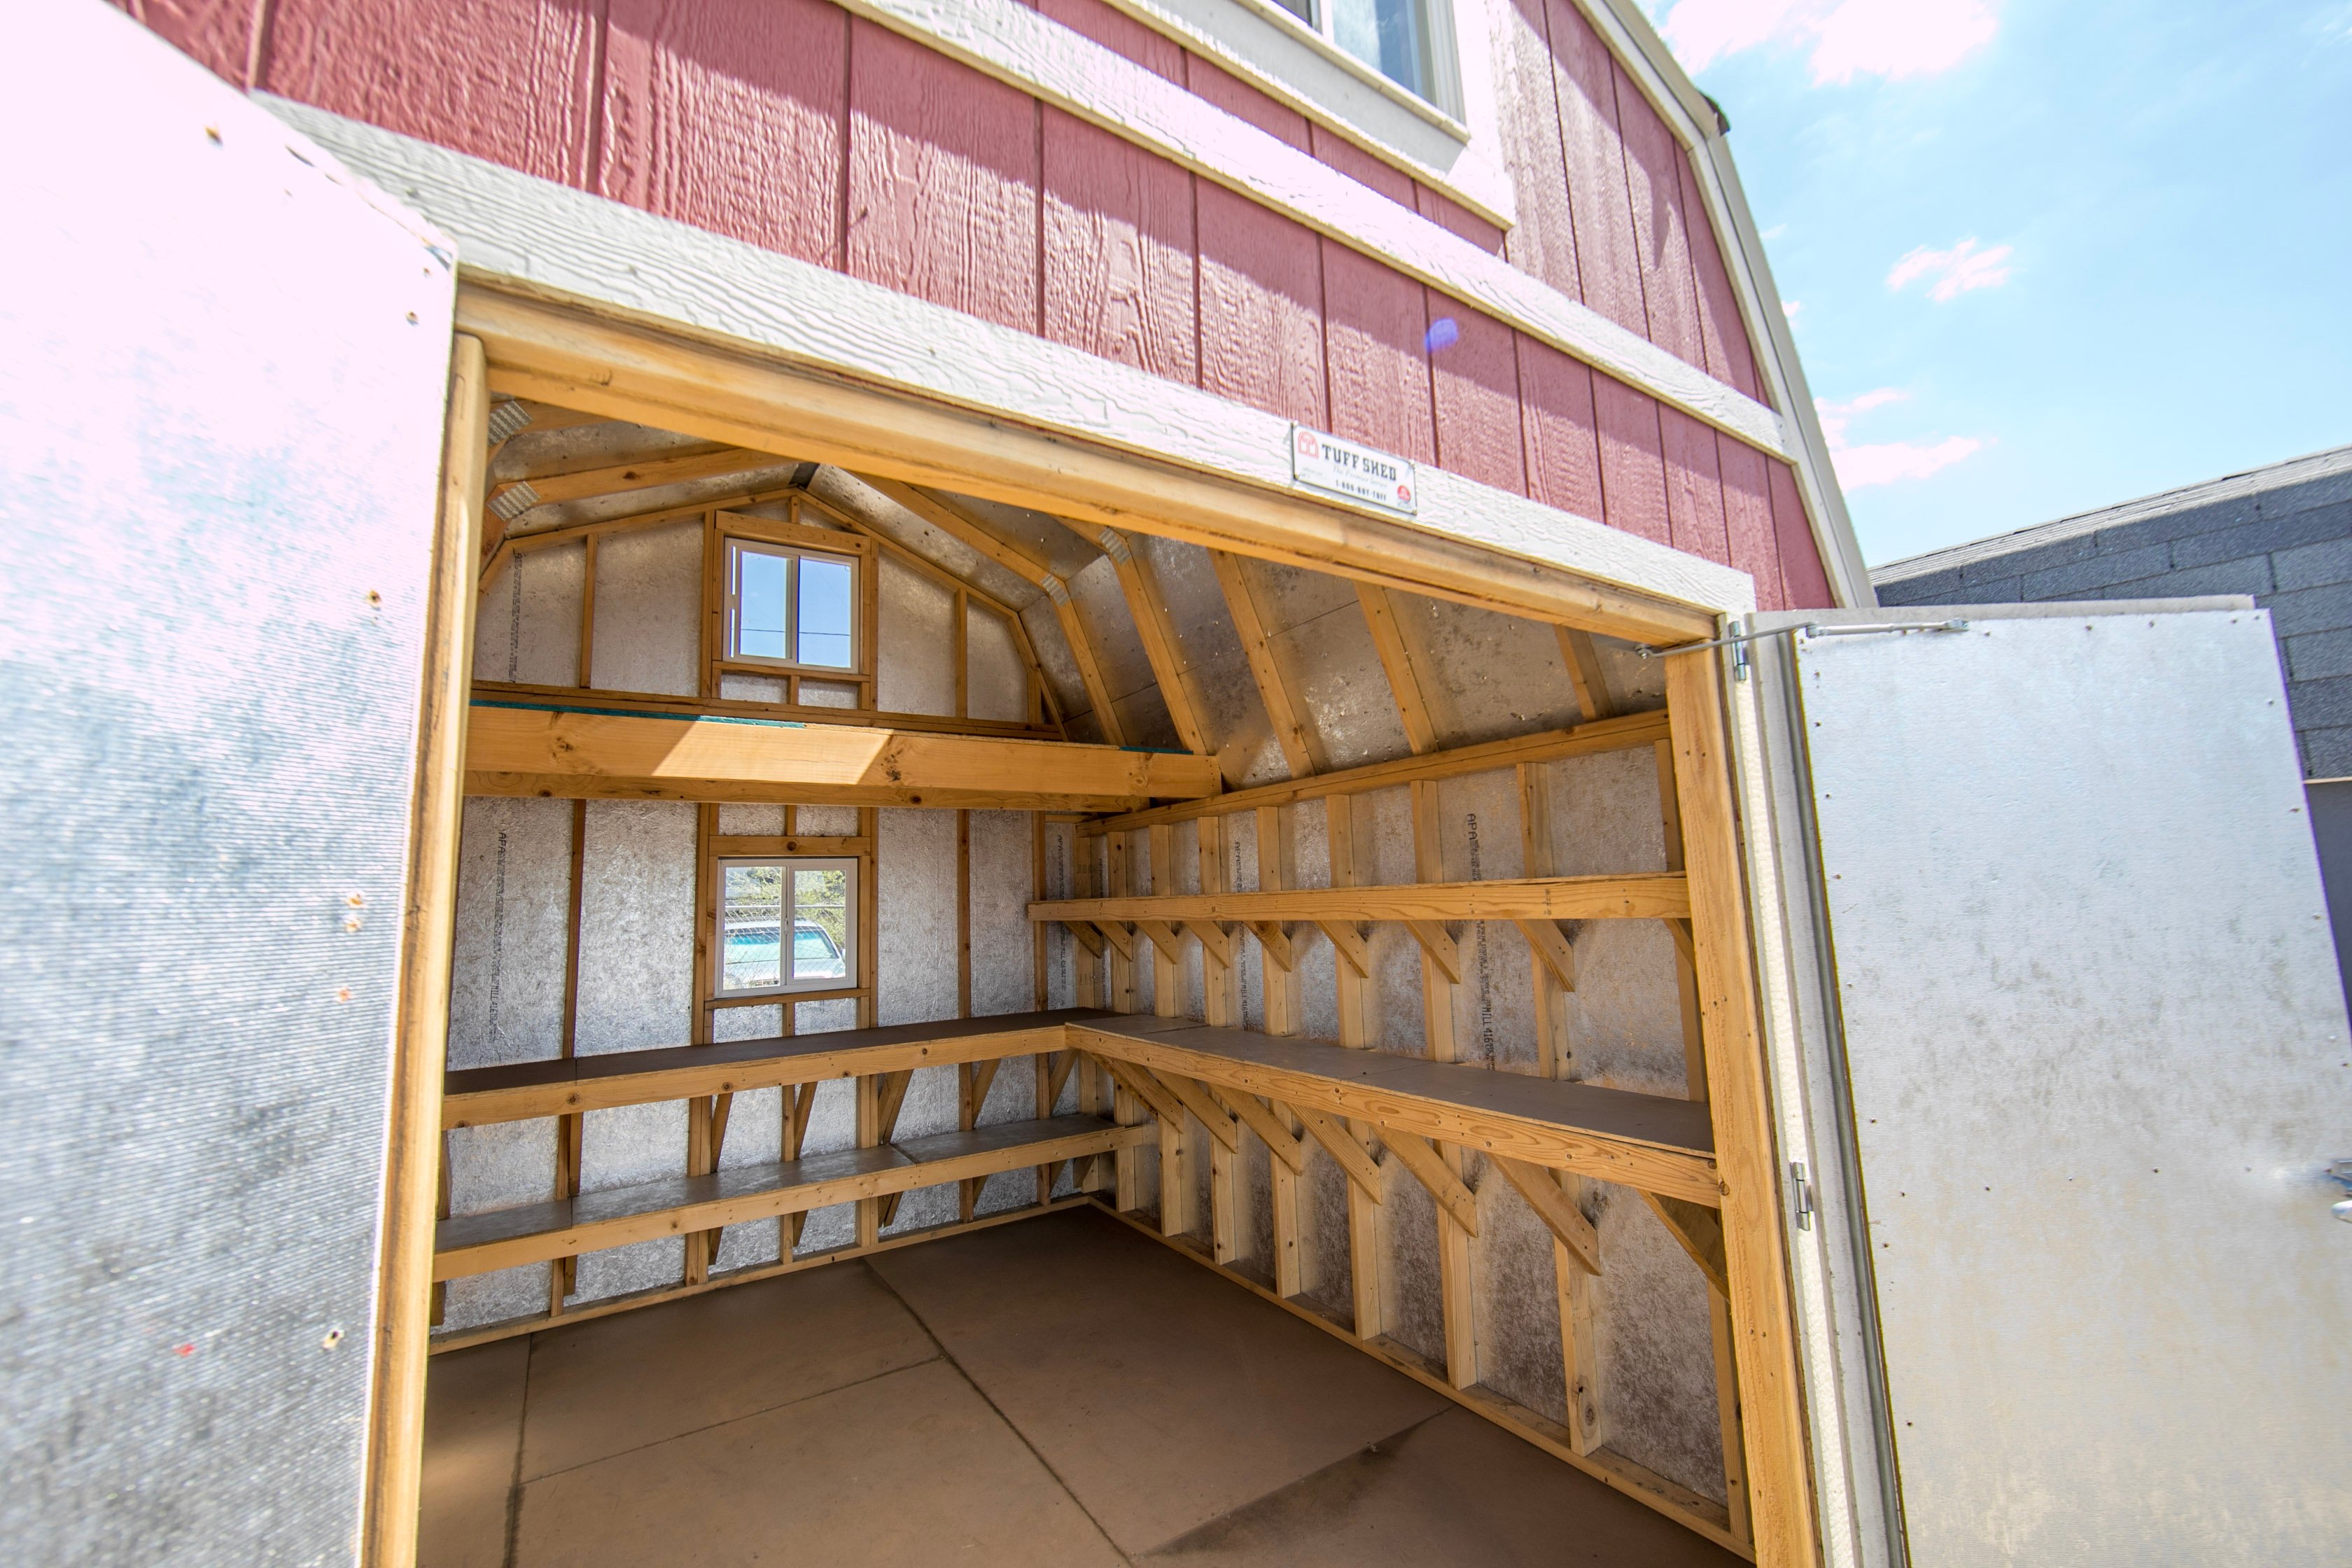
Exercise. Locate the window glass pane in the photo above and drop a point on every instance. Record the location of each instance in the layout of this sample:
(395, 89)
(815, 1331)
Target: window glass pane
(760, 604)
(1302, 9)
(1387, 35)
(825, 588)
(820, 923)
(753, 918)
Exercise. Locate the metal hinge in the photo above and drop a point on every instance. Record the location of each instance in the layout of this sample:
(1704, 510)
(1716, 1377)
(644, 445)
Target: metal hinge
(1802, 1190)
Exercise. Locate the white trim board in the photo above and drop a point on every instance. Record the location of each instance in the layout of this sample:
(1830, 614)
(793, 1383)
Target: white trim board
(551, 240)
(1005, 39)
(1691, 118)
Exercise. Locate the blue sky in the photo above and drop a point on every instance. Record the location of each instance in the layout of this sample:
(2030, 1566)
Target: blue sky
(2040, 255)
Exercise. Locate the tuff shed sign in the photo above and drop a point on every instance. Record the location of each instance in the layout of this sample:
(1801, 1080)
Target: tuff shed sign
(1324, 462)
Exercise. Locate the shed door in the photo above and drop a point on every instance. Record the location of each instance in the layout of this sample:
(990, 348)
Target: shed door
(2098, 1064)
(222, 366)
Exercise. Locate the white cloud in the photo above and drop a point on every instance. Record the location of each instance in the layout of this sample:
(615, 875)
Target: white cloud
(1956, 272)
(1849, 37)
(1884, 462)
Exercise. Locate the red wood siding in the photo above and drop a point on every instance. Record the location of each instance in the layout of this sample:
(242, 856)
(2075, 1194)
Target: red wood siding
(727, 114)
(789, 125)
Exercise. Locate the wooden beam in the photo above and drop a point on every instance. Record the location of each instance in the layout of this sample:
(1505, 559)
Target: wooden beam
(1438, 944)
(1363, 1172)
(1149, 605)
(1167, 961)
(420, 1015)
(1763, 1318)
(1111, 933)
(1281, 1141)
(1551, 1205)
(1279, 982)
(1274, 942)
(957, 522)
(650, 705)
(1089, 663)
(1700, 1232)
(1146, 1086)
(1649, 895)
(1620, 734)
(1218, 944)
(1221, 975)
(1396, 661)
(522, 751)
(1203, 1106)
(513, 499)
(1585, 674)
(1283, 712)
(1454, 1198)
(1551, 946)
(1354, 955)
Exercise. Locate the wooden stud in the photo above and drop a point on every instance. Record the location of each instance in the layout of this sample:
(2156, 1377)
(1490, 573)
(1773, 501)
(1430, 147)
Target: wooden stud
(1555, 1052)
(1285, 713)
(1685, 949)
(1121, 877)
(1167, 949)
(1768, 1379)
(1457, 1222)
(586, 666)
(870, 1135)
(1292, 1264)
(1278, 973)
(1396, 661)
(1221, 975)
(395, 1413)
(564, 1279)
(1089, 663)
(1578, 1291)
(623, 477)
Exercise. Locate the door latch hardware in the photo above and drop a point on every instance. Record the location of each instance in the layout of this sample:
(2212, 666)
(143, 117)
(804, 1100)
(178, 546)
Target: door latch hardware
(1803, 1191)
(1737, 641)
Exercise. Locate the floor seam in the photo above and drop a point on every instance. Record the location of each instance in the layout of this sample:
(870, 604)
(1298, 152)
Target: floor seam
(514, 1477)
(730, 1421)
(1010, 1425)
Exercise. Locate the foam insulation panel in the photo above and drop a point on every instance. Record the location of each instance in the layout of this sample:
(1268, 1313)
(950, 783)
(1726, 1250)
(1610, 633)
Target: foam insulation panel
(647, 631)
(1003, 950)
(1316, 628)
(996, 678)
(915, 860)
(915, 672)
(1657, 1347)
(526, 622)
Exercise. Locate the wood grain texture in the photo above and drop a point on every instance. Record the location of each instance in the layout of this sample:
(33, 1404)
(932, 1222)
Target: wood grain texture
(727, 114)
(1331, 147)
(1214, 85)
(1694, 486)
(943, 180)
(1526, 111)
(1804, 584)
(1375, 321)
(1721, 329)
(1261, 308)
(218, 35)
(1654, 162)
(1115, 30)
(1607, 252)
(1557, 424)
(1119, 250)
(1632, 464)
(510, 81)
(1453, 216)
(1475, 382)
(1748, 521)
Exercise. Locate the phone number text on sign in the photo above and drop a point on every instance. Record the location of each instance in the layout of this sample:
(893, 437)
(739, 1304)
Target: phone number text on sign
(1324, 462)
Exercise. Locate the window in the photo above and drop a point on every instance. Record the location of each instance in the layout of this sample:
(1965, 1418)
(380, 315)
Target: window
(788, 606)
(1393, 36)
(786, 925)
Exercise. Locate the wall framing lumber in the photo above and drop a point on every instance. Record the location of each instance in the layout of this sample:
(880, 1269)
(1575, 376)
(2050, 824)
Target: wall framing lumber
(601, 757)
(405, 1298)
(1771, 1381)
(1548, 745)
(1396, 662)
(1646, 895)
(1284, 711)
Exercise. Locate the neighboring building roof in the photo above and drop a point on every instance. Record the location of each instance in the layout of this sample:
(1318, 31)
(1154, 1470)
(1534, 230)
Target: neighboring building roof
(2232, 488)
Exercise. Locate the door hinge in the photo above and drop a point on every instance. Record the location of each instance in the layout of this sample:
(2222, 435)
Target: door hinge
(1801, 1192)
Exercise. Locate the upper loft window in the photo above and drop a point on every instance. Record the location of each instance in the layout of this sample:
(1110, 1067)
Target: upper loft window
(789, 606)
(1393, 36)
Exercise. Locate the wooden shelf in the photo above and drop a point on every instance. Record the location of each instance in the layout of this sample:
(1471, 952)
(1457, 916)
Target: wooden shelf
(682, 1205)
(1658, 894)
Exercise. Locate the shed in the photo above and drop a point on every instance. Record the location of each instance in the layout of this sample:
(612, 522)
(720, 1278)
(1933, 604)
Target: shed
(1168, 697)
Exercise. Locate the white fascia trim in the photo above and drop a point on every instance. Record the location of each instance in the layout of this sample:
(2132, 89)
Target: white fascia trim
(1266, 47)
(1005, 39)
(1693, 119)
(556, 240)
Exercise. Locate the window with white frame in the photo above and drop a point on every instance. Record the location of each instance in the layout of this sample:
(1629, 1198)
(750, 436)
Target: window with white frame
(1395, 37)
(786, 925)
(791, 607)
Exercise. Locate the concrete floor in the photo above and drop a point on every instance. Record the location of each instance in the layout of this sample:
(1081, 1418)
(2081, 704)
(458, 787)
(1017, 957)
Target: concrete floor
(1056, 1391)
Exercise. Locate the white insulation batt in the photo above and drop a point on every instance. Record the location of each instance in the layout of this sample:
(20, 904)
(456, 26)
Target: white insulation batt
(1484, 675)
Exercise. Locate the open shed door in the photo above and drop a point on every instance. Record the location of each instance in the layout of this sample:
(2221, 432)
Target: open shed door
(223, 370)
(2087, 1055)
